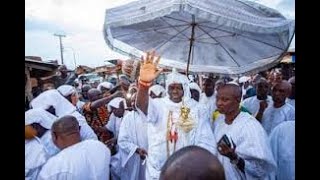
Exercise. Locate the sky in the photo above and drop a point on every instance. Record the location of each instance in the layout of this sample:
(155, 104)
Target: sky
(82, 23)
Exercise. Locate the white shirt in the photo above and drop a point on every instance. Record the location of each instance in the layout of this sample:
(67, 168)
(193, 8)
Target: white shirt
(273, 116)
(132, 135)
(252, 104)
(251, 145)
(158, 112)
(85, 160)
(282, 140)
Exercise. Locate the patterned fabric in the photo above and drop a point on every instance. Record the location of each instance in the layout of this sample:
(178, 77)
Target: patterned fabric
(96, 119)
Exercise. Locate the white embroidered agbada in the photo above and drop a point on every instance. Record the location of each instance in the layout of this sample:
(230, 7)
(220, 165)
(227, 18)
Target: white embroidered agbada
(45, 119)
(252, 104)
(85, 160)
(273, 116)
(158, 118)
(63, 107)
(282, 140)
(252, 145)
(132, 135)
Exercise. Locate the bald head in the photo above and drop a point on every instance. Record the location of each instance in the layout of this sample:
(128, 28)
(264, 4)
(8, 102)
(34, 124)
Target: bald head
(232, 89)
(65, 132)
(65, 125)
(192, 162)
(94, 94)
(280, 92)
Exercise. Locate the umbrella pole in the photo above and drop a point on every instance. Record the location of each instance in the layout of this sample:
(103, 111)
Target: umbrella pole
(193, 25)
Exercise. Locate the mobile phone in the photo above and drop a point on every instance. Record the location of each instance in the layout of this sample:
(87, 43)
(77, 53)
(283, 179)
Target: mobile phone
(225, 140)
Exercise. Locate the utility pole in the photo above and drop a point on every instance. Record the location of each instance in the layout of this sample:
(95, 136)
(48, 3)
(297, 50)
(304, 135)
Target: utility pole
(61, 47)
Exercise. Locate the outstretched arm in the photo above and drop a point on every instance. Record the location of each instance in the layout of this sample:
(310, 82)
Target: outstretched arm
(148, 72)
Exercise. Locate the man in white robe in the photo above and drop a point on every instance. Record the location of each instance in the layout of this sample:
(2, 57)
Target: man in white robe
(81, 160)
(245, 152)
(208, 97)
(41, 121)
(39, 147)
(174, 121)
(282, 140)
(52, 99)
(280, 111)
(257, 104)
(71, 94)
(133, 145)
(117, 109)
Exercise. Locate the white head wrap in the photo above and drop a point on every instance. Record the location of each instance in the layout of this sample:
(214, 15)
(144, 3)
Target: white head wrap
(41, 116)
(178, 78)
(53, 98)
(116, 102)
(66, 90)
(195, 86)
(157, 90)
(107, 85)
(61, 105)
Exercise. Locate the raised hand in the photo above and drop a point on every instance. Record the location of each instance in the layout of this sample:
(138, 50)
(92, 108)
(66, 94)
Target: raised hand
(148, 69)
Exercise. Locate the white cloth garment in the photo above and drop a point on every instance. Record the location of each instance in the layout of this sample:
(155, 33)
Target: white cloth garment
(132, 135)
(282, 140)
(252, 146)
(209, 102)
(252, 104)
(85, 160)
(273, 116)
(35, 157)
(292, 102)
(158, 113)
(63, 107)
(157, 90)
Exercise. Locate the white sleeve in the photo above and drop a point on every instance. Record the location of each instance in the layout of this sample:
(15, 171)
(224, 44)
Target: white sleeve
(154, 110)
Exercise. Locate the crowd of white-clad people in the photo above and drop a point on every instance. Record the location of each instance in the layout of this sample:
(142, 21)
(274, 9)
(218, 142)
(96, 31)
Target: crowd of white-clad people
(241, 128)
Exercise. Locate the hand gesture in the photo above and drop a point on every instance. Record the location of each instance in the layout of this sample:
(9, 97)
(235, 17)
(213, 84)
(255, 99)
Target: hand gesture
(227, 151)
(148, 68)
(263, 105)
(142, 153)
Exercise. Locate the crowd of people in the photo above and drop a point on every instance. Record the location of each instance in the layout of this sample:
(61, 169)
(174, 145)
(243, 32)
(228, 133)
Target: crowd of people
(242, 128)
